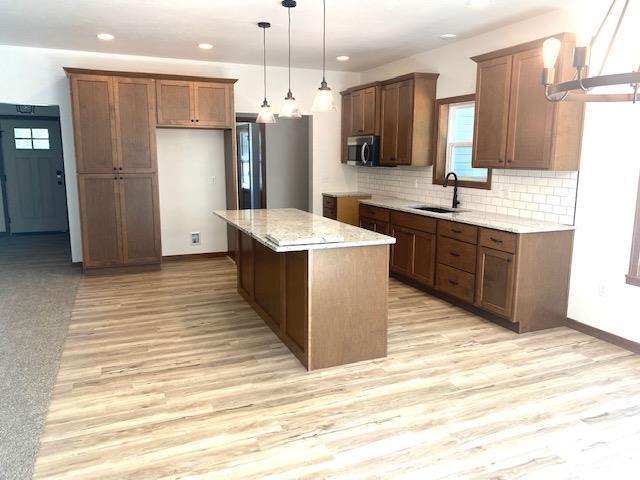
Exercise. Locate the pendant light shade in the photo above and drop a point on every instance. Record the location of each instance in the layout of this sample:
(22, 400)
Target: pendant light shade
(324, 102)
(265, 115)
(290, 108)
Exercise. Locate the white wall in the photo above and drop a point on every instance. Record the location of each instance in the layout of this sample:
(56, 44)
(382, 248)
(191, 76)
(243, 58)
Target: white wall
(35, 76)
(192, 185)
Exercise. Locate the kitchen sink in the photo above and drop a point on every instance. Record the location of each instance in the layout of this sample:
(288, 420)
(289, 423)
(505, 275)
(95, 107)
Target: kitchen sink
(427, 208)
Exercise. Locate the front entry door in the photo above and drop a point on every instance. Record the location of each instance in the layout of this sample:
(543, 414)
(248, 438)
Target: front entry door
(34, 171)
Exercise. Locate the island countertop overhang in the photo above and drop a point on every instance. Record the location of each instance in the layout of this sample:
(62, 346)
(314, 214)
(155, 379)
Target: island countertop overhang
(298, 230)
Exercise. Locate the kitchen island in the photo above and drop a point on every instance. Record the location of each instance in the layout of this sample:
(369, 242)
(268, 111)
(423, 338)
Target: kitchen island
(319, 284)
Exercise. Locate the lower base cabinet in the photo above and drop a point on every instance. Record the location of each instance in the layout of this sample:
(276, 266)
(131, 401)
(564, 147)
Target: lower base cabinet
(521, 279)
(495, 283)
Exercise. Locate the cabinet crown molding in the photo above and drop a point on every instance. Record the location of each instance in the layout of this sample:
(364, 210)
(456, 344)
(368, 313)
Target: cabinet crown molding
(159, 76)
(563, 37)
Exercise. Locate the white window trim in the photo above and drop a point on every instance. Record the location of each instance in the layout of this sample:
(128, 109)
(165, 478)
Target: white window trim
(451, 145)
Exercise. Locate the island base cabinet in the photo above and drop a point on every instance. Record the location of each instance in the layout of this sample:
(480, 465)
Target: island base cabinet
(302, 297)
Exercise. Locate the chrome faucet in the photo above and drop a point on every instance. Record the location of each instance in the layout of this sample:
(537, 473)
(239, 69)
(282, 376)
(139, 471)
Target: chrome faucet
(455, 187)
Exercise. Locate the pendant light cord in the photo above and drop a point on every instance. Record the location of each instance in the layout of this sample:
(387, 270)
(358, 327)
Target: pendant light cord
(264, 61)
(324, 36)
(289, 12)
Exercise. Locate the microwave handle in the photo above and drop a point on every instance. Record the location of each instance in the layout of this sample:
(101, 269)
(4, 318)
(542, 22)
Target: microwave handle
(363, 155)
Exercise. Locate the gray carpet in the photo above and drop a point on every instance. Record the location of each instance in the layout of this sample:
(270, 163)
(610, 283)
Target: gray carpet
(37, 291)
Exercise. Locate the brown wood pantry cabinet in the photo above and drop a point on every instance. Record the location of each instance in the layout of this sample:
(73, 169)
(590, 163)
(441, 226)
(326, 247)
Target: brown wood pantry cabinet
(515, 125)
(115, 117)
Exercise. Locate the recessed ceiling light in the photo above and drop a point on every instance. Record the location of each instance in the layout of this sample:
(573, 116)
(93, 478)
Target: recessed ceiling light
(342, 58)
(478, 3)
(447, 36)
(105, 36)
(205, 46)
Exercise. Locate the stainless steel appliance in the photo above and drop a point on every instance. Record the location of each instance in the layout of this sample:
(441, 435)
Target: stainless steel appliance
(364, 151)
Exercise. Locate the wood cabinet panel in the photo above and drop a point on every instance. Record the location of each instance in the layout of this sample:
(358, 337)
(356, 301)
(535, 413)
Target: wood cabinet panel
(375, 213)
(296, 299)
(100, 220)
(374, 225)
(245, 264)
(530, 114)
(267, 280)
(329, 212)
(175, 102)
(140, 219)
(369, 110)
(455, 282)
(135, 114)
(402, 252)
(493, 87)
(495, 285)
(213, 106)
(498, 240)
(329, 202)
(413, 221)
(94, 123)
(357, 112)
(424, 258)
(389, 135)
(457, 254)
(345, 126)
(405, 123)
(458, 231)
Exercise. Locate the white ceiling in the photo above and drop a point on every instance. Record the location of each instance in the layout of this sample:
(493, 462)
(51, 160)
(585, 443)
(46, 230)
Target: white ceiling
(371, 32)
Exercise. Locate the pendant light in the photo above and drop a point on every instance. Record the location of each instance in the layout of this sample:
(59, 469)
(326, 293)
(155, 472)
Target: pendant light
(265, 115)
(291, 109)
(323, 102)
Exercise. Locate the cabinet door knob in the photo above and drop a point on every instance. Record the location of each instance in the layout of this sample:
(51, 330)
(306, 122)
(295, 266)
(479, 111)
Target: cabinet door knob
(197, 119)
(192, 120)
(454, 254)
(453, 282)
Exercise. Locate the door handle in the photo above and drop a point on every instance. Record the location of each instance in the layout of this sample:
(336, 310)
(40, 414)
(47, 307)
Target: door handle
(59, 176)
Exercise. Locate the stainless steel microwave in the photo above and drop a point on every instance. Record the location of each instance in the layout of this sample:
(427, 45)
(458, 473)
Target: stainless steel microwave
(364, 151)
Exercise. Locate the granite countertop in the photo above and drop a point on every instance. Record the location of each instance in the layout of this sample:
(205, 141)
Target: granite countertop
(496, 221)
(290, 229)
(346, 194)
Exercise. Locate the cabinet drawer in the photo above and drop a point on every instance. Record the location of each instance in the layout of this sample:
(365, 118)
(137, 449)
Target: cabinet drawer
(415, 222)
(498, 240)
(455, 282)
(329, 213)
(458, 231)
(457, 254)
(376, 213)
(329, 202)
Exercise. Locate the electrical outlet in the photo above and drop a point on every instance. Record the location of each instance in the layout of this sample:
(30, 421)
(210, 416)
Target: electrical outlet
(195, 238)
(602, 290)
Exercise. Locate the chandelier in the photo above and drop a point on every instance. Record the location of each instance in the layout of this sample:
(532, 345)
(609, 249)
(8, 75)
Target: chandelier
(578, 89)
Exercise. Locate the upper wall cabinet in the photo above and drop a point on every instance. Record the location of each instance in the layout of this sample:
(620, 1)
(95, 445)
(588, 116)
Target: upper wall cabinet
(114, 122)
(408, 112)
(515, 125)
(365, 111)
(194, 104)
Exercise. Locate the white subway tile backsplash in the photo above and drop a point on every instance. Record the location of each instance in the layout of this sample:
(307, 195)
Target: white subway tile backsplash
(525, 193)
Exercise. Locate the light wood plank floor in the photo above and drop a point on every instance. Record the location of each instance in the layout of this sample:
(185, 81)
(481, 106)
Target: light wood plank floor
(171, 375)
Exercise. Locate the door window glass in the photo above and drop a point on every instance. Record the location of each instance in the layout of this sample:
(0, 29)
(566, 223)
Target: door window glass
(31, 138)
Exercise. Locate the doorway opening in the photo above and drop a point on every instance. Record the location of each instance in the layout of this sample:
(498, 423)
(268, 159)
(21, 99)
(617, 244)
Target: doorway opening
(274, 163)
(33, 202)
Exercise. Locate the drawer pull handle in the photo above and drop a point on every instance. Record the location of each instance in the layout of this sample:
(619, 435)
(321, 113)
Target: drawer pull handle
(496, 240)
(454, 254)
(456, 231)
(453, 282)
